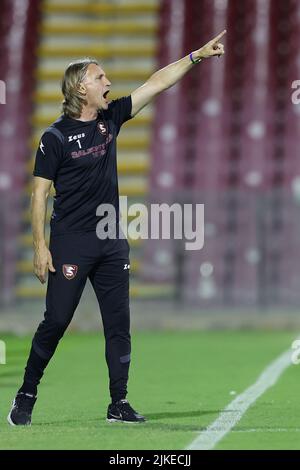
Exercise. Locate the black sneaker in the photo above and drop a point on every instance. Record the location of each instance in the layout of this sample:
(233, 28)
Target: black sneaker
(20, 413)
(121, 412)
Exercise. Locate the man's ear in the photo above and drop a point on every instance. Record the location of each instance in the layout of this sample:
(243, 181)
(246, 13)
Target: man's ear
(82, 89)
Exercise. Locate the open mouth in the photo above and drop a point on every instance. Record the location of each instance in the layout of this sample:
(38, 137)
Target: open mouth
(105, 94)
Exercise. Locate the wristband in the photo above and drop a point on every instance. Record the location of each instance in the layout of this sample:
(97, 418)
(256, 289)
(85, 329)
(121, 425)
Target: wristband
(194, 61)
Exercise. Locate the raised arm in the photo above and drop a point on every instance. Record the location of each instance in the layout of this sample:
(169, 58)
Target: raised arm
(171, 74)
(42, 257)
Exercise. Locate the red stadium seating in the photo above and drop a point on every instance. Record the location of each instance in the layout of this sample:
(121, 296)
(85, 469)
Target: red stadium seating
(18, 31)
(242, 131)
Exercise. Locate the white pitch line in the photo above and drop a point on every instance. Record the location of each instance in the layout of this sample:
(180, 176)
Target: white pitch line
(230, 416)
(264, 431)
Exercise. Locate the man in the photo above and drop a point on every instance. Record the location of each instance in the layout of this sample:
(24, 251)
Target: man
(77, 153)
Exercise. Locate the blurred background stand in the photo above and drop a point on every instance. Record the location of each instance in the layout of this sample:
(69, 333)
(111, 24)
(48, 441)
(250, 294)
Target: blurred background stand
(226, 136)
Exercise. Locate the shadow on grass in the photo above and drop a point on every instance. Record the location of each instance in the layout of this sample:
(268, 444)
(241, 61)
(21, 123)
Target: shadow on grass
(10, 373)
(181, 414)
(100, 422)
(102, 426)
(14, 385)
(17, 353)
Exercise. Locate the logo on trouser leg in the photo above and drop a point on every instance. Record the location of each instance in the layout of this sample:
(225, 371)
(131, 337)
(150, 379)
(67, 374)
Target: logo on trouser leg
(69, 271)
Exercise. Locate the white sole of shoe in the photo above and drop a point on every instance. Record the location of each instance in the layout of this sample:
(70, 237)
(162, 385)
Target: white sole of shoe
(9, 420)
(112, 420)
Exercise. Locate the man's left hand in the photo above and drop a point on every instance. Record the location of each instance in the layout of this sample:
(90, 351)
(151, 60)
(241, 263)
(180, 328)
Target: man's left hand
(211, 49)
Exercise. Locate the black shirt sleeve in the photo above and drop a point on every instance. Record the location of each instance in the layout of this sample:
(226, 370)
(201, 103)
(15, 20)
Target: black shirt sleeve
(48, 156)
(120, 111)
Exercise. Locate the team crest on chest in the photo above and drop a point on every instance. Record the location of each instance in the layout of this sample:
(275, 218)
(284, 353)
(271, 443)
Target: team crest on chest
(69, 271)
(102, 128)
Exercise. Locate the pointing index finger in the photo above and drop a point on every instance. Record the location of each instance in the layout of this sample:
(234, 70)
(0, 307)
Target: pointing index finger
(217, 38)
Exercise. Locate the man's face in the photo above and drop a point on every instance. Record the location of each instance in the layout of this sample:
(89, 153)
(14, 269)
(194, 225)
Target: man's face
(96, 86)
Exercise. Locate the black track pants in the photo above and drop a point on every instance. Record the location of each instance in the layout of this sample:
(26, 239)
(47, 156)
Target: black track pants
(77, 257)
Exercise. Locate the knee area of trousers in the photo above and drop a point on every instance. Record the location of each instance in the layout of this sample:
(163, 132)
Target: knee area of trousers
(57, 327)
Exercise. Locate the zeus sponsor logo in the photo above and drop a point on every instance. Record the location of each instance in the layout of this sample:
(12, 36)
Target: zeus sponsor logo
(76, 137)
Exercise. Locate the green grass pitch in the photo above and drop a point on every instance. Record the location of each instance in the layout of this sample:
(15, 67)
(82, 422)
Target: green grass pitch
(179, 380)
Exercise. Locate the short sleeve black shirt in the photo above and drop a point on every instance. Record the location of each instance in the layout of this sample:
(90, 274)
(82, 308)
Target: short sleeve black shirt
(80, 158)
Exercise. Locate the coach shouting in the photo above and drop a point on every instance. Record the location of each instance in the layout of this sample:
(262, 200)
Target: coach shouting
(77, 154)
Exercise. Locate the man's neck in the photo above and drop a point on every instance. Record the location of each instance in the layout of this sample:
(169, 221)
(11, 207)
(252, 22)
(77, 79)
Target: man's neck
(88, 114)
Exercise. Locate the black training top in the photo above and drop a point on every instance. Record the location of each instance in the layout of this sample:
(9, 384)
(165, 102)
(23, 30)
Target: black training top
(80, 158)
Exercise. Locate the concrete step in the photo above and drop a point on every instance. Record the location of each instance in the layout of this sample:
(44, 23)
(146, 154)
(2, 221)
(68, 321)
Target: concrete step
(103, 9)
(95, 28)
(45, 95)
(25, 240)
(70, 51)
(131, 187)
(25, 266)
(137, 290)
(125, 168)
(41, 121)
(136, 142)
(133, 75)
